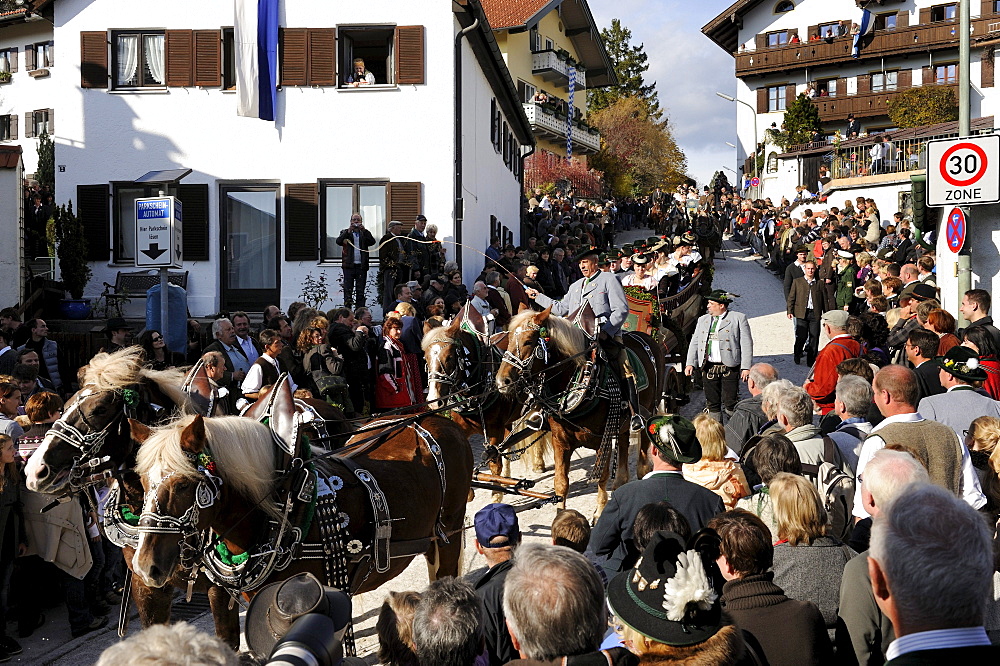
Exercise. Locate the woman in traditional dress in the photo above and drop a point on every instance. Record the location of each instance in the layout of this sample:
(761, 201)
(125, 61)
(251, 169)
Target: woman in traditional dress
(398, 383)
(640, 285)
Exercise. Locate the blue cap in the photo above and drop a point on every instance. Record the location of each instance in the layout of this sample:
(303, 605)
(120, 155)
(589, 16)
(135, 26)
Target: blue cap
(494, 521)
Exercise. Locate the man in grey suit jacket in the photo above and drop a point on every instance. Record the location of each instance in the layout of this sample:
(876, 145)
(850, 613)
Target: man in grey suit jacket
(722, 348)
(960, 404)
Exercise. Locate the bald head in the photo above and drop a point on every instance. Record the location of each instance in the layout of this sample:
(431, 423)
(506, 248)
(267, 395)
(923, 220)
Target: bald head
(761, 374)
(896, 390)
(909, 273)
(886, 476)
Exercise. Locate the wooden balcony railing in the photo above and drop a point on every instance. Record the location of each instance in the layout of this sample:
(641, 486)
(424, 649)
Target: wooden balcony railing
(915, 39)
(863, 105)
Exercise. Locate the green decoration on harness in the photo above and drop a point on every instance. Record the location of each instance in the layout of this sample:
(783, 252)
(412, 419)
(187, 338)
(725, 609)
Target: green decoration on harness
(127, 515)
(131, 397)
(228, 558)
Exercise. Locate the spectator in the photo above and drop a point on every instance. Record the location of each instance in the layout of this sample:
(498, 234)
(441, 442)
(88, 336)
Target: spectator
(854, 399)
(497, 536)
(804, 303)
(770, 397)
(351, 342)
(714, 471)
(10, 401)
(785, 632)
(355, 242)
(863, 630)
(653, 518)
(359, 76)
(395, 629)
(795, 415)
(978, 339)
(921, 348)
(179, 643)
(931, 560)
(398, 383)
(237, 364)
(448, 624)
(672, 444)
(265, 370)
(808, 564)
(960, 404)
(975, 308)
(943, 324)
(118, 332)
(8, 355)
(51, 367)
(13, 543)
(570, 529)
(822, 387)
(749, 416)
(158, 357)
(773, 454)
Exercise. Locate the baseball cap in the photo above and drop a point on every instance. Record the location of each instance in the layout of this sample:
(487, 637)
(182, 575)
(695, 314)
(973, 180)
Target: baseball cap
(496, 526)
(837, 318)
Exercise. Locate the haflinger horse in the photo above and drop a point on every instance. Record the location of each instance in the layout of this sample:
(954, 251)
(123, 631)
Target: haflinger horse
(397, 490)
(462, 361)
(546, 360)
(93, 438)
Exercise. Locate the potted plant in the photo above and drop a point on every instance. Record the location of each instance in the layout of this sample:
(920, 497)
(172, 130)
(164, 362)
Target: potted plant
(4, 77)
(73, 266)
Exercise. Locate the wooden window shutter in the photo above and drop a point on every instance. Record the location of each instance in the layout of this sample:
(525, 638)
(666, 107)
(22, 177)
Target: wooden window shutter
(812, 30)
(864, 83)
(902, 19)
(52, 53)
(928, 75)
(987, 63)
(301, 222)
(12, 125)
(29, 124)
(207, 59)
(93, 60)
(293, 62)
(986, 8)
(841, 88)
(29, 57)
(409, 55)
(52, 120)
(194, 199)
(179, 49)
(761, 100)
(925, 15)
(789, 94)
(404, 203)
(760, 41)
(322, 51)
(93, 208)
(12, 58)
(905, 78)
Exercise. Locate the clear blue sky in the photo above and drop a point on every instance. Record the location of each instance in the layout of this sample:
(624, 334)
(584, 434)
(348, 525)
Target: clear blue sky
(688, 69)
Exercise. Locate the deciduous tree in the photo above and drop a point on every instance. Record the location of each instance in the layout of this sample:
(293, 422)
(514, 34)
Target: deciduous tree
(924, 105)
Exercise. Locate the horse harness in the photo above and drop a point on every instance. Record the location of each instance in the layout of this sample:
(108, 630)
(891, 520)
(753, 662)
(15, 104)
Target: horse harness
(472, 369)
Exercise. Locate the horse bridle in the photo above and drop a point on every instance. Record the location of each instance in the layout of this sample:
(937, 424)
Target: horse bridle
(513, 357)
(462, 365)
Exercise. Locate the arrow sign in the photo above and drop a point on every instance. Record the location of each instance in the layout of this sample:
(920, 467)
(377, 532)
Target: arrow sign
(153, 251)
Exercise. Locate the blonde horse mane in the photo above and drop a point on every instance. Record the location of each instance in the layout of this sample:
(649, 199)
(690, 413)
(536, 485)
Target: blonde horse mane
(170, 381)
(243, 451)
(116, 371)
(567, 339)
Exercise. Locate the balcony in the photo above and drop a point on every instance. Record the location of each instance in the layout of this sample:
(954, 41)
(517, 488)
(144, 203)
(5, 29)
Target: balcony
(554, 66)
(863, 105)
(916, 40)
(547, 125)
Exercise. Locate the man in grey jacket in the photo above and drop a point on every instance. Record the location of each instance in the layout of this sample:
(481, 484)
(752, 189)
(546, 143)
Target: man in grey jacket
(722, 349)
(748, 417)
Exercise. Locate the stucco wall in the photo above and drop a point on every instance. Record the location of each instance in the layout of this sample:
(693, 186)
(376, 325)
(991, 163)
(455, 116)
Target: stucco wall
(24, 93)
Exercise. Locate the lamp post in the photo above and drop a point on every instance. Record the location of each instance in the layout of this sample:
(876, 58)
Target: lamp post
(753, 112)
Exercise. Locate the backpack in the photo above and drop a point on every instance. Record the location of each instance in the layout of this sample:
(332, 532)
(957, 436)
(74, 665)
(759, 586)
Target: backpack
(836, 489)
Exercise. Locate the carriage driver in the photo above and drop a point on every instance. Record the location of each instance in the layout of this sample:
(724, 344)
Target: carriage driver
(607, 299)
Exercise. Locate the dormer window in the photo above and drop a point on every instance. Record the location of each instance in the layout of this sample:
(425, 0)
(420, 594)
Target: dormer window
(784, 6)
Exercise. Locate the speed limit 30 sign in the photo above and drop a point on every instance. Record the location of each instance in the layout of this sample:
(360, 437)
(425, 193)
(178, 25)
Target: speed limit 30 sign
(963, 171)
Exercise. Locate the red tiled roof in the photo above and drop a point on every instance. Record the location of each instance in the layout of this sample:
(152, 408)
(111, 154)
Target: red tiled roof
(9, 156)
(511, 13)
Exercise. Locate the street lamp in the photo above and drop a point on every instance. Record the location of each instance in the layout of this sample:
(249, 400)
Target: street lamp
(753, 112)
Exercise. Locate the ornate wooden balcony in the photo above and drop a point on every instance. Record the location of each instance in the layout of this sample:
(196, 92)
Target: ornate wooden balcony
(862, 105)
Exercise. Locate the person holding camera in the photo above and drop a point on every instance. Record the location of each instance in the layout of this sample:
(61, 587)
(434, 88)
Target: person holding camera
(355, 241)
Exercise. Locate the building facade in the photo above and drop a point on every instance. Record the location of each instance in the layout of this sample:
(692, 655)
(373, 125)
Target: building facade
(145, 88)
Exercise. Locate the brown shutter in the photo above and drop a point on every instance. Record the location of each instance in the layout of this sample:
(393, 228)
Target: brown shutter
(194, 199)
(404, 203)
(12, 57)
(409, 55)
(928, 75)
(902, 19)
(761, 100)
(52, 53)
(986, 8)
(52, 121)
(905, 78)
(179, 49)
(12, 125)
(810, 31)
(760, 41)
(93, 208)
(789, 94)
(29, 57)
(841, 87)
(301, 222)
(292, 57)
(987, 63)
(864, 83)
(93, 60)
(29, 124)
(207, 60)
(925, 15)
(322, 56)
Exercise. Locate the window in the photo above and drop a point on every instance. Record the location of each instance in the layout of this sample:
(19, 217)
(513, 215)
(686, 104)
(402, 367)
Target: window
(783, 6)
(946, 74)
(43, 55)
(944, 12)
(525, 91)
(40, 122)
(228, 60)
(776, 96)
(829, 30)
(341, 199)
(996, 6)
(5, 128)
(885, 21)
(772, 162)
(534, 40)
(6, 57)
(826, 88)
(779, 38)
(138, 59)
(549, 45)
(373, 45)
(882, 81)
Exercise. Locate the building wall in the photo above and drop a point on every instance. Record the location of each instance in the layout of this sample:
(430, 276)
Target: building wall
(24, 93)
(403, 134)
(10, 219)
(982, 241)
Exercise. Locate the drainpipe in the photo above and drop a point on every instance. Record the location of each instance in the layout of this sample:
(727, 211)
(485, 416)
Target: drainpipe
(459, 199)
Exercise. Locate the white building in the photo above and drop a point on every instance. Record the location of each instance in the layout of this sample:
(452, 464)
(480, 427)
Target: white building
(144, 86)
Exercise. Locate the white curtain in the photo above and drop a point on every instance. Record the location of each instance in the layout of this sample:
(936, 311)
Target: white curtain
(153, 45)
(4, 61)
(128, 59)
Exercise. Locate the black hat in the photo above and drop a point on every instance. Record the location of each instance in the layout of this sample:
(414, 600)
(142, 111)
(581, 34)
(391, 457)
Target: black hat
(963, 363)
(273, 610)
(421, 218)
(589, 251)
(640, 259)
(668, 596)
(802, 248)
(116, 324)
(604, 259)
(720, 296)
(923, 292)
(674, 437)
(688, 238)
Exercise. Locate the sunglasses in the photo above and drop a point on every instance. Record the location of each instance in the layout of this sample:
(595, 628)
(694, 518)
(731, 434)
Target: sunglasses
(158, 338)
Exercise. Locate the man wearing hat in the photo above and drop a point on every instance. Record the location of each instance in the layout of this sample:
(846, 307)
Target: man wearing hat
(497, 535)
(846, 277)
(672, 443)
(118, 332)
(909, 299)
(960, 404)
(804, 304)
(418, 248)
(395, 267)
(607, 299)
(794, 270)
(722, 349)
(356, 242)
(822, 383)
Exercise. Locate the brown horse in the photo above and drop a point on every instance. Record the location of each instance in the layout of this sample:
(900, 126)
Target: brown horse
(218, 474)
(544, 354)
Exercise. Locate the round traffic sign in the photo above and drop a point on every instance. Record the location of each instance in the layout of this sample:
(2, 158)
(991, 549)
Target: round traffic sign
(755, 181)
(955, 229)
(963, 164)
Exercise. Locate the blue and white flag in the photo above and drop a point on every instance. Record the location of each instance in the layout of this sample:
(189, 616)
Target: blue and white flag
(256, 37)
(867, 27)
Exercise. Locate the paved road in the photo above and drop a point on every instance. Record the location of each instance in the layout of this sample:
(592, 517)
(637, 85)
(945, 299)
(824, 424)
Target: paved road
(760, 298)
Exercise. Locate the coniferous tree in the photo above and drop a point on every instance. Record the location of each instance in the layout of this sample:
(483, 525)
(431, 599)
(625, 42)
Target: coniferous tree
(800, 124)
(630, 64)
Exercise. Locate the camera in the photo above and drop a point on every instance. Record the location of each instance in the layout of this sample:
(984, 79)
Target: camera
(313, 640)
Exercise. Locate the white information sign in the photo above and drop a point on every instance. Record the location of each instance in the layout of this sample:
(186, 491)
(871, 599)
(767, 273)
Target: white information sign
(158, 232)
(963, 172)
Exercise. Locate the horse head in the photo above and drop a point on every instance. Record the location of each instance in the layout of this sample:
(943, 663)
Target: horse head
(526, 342)
(443, 352)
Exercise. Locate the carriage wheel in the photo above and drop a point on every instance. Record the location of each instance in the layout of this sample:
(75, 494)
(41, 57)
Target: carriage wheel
(675, 393)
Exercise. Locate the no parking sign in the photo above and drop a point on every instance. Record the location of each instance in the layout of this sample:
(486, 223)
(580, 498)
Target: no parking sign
(955, 229)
